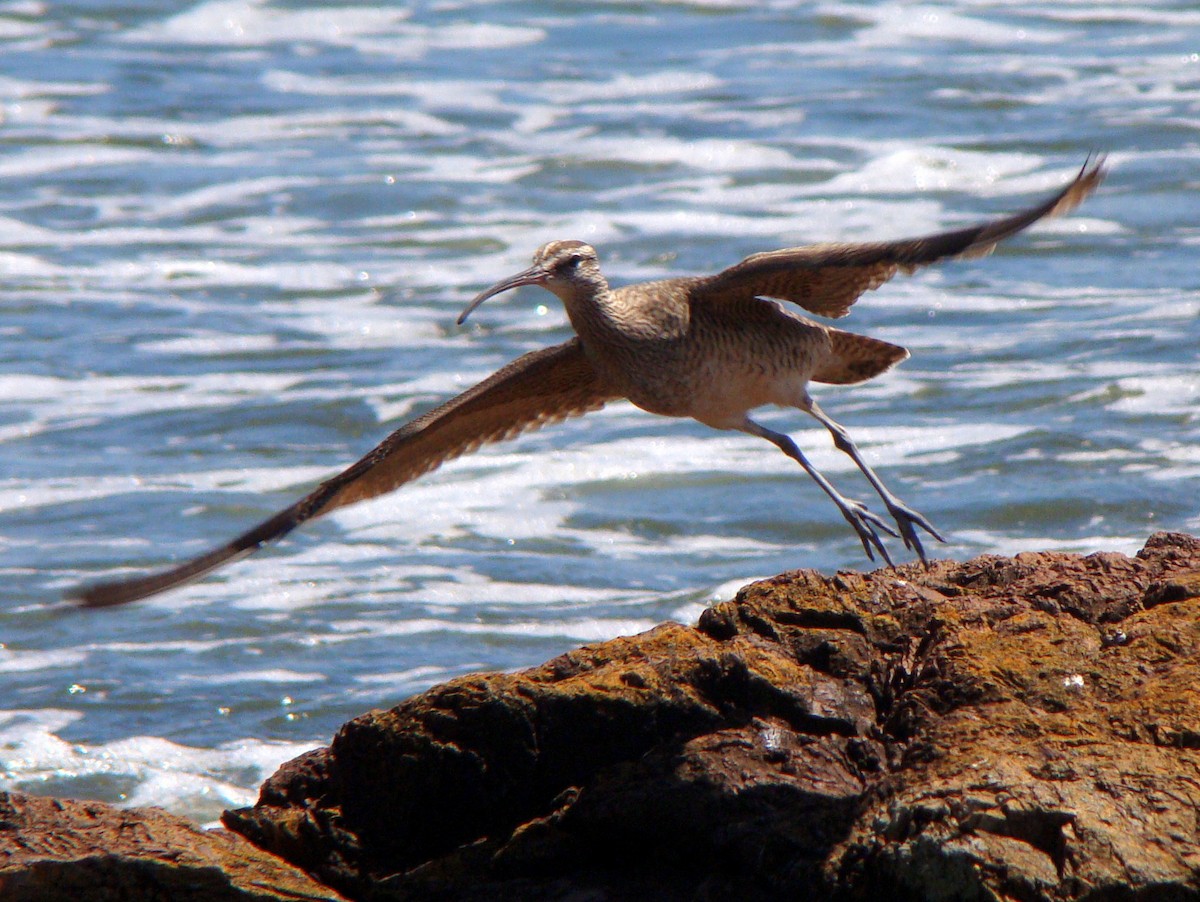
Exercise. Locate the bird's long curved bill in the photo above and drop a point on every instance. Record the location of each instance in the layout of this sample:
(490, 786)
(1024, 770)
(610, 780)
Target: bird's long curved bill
(535, 275)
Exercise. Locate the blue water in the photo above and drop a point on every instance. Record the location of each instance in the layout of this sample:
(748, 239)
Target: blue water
(234, 237)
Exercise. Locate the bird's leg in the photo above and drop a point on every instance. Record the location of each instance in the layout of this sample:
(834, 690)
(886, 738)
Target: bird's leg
(906, 518)
(866, 523)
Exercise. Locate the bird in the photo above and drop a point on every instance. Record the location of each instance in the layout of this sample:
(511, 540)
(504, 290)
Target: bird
(710, 348)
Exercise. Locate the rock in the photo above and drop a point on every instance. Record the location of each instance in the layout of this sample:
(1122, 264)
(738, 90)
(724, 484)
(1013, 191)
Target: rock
(55, 850)
(1006, 728)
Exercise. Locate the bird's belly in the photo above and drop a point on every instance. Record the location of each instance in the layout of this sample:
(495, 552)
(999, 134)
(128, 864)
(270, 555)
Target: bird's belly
(720, 368)
(717, 395)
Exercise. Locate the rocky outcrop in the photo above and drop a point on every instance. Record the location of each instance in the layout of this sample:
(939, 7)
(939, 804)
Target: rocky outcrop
(1007, 728)
(55, 850)
(1021, 728)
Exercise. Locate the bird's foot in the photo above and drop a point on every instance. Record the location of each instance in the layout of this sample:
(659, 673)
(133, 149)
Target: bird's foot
(868, 524)
(907, 520)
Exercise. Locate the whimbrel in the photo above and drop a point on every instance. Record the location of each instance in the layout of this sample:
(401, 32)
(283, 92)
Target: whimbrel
(712, 348)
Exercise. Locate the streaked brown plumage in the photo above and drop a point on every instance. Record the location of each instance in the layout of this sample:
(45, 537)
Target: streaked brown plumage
(711, 348)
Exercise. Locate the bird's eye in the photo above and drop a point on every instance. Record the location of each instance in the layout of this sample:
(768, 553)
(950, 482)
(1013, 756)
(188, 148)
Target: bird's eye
(574, 260)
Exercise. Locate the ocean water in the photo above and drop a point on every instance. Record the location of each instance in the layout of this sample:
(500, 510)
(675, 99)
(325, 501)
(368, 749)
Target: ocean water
(235, 234)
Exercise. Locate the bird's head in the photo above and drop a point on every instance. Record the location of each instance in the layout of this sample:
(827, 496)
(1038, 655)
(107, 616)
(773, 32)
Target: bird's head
(567, 268)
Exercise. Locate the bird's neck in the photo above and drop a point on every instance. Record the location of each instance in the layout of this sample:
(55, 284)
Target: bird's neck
(594, 309)
(658, 311)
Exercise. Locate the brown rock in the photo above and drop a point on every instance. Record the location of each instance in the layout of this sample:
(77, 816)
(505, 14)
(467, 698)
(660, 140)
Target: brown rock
(1024, 728)
(56, 850)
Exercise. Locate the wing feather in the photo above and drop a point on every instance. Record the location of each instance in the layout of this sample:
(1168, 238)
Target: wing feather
(828, 278)
(539, 388)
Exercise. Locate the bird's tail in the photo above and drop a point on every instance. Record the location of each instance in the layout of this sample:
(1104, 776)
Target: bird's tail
(856, 358)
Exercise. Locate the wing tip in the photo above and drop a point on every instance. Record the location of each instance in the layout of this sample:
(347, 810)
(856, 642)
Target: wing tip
(109, 594)
(1090, 176)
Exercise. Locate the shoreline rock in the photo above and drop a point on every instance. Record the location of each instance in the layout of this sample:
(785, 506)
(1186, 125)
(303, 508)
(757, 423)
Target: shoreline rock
(1021, 728)
(59, 850)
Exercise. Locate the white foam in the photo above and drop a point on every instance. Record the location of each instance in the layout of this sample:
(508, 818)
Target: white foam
(14, 30)
(211, 344)
(74, 159)
(937, 168)
(1167, 394)
(425, 675)
(23, 495)
(29, 743)
(157, 645)
(52, 402)
(707, 154)
(12, 88)
(22, 661)
(335, 569)
(623, 86)
(998, 543)
(476, 36)
(451, 168)
(1183, 461)
(251, 23)
(225, 193)
(892, 25)
(442, 94)
(1090, 13)
(276, 675)
(193, 781)
(596, 629)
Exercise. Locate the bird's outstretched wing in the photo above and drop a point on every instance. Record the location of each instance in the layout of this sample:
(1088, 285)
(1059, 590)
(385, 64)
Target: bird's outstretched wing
(539, 388)
(828, 278)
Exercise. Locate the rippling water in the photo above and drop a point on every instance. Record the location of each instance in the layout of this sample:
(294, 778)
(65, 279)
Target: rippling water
(234, 238)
